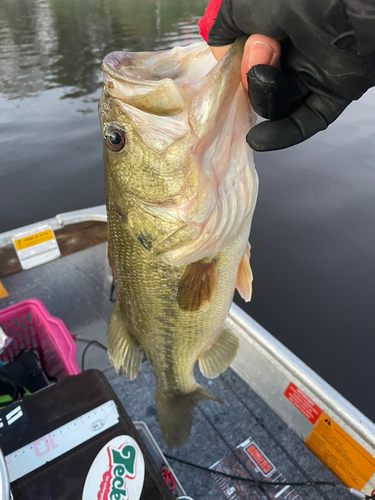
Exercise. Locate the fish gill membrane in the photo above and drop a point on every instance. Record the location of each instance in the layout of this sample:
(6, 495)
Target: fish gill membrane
(181, 189)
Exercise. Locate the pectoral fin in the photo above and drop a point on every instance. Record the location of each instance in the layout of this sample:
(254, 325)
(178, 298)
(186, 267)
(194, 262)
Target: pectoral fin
(220, 355)
(245, 276)
(197, 285)
(123, 351)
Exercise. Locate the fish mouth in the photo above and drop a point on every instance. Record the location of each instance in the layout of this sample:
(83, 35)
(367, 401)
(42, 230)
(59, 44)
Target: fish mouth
(161, 82)
(180, 64)
(166, 82)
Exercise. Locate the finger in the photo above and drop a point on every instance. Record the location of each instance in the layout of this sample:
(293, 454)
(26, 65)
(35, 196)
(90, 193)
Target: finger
(272, 95)
(314, 115)
(219, 52)
(269, 93)
(259, 49)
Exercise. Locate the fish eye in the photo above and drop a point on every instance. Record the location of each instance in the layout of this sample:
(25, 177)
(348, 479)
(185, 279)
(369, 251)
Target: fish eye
(115, 138)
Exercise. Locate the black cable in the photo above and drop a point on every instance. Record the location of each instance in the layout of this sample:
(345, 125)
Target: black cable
(89, 343)
(249, 480)
(213, 471)
(84, 339)
(9, 382)
(313, 483)
(257, 483)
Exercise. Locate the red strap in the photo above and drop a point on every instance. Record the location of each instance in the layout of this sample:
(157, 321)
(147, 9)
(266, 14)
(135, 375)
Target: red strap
(208, 19)
(167, 475)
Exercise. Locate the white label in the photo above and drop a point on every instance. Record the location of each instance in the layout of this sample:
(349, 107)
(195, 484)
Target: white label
(117, 472)
(36, 247)
(4, 340)
(61, 440)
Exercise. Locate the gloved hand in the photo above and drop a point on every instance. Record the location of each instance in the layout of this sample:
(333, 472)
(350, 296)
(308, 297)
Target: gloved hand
(320, 73)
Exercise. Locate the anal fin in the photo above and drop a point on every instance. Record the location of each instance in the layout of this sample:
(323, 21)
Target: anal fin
(245, 276)
(123, 351)
(197, 285)
(220, 355)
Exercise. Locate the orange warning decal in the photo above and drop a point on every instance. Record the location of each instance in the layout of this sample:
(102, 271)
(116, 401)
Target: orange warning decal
(352, 464)
(34, 239)
(3, 292)
(303, 403)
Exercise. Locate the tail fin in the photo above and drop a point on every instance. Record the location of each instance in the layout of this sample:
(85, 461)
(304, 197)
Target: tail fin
(176, 414)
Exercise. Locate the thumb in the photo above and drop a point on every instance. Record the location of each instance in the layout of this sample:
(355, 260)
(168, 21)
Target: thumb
(259, 49)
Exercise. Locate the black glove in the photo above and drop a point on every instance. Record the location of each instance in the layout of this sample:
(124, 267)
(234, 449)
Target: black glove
(321, 69)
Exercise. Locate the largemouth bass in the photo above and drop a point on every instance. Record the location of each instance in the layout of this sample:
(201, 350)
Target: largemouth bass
(181, 189)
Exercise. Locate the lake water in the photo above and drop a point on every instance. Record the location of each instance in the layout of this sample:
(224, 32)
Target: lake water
(313, 236)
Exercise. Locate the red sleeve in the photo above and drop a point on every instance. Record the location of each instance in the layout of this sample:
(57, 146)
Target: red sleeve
(208, 19)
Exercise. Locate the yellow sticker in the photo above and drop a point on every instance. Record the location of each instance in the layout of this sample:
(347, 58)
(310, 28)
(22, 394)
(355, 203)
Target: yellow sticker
(33, 239)
(352, 464)
(3, 292)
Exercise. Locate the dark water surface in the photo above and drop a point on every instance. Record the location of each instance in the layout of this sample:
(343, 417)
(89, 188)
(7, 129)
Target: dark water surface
(313, 236)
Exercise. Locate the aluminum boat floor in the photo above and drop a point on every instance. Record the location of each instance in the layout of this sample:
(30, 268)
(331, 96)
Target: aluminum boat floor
(76, 289)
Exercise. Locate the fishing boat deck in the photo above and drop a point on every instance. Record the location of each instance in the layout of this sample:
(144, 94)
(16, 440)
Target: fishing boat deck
(76, 288)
